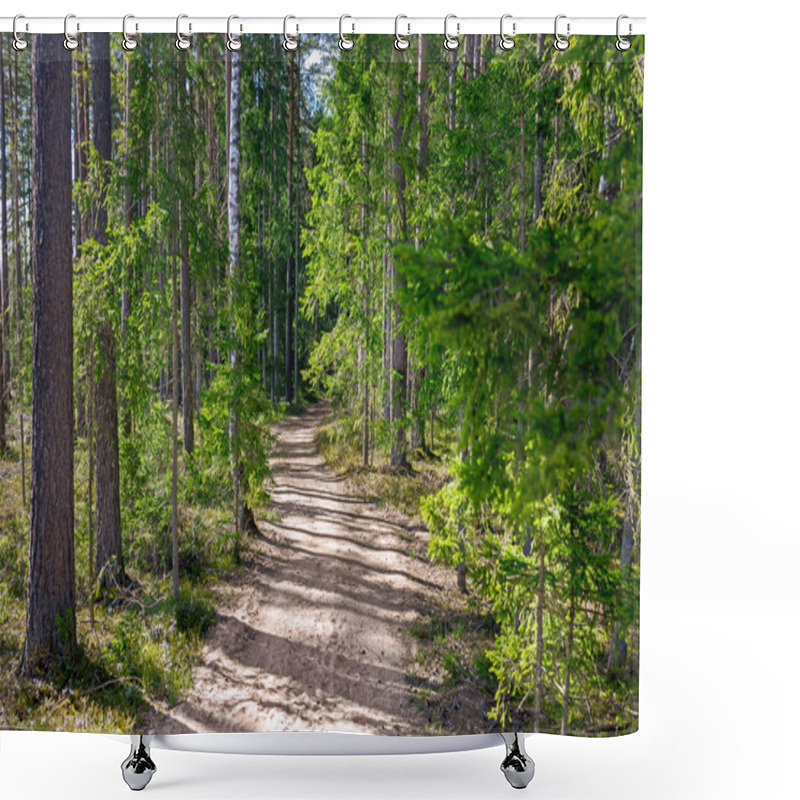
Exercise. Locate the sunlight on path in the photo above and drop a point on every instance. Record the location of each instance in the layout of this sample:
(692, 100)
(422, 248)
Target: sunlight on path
(313, 632)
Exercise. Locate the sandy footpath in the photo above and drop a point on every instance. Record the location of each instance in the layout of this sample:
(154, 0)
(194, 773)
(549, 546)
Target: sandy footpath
(313, 633)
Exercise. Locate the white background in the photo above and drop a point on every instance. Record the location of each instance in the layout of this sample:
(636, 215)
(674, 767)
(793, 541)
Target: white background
(720, 601)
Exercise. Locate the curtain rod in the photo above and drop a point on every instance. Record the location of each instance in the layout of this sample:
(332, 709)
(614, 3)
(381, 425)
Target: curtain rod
(298, 25)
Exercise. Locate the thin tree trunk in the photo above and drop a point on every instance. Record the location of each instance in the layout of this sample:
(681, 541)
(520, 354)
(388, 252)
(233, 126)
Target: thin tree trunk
(90, 511)
(243, 514)
(365, 292)
(175, 387)
(5, 372)
(568, 669)
(110, 565)
(50, 617)
(537, 720)
(522, 181)
(296, 296)
(537, 156)
(618, 651)
(127, 276)
(289, 194)
(419, 375)
(186, 347)
(399, 354)
(15, 192)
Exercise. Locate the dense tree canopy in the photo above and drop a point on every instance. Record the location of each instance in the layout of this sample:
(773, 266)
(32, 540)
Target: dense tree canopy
(447, 244)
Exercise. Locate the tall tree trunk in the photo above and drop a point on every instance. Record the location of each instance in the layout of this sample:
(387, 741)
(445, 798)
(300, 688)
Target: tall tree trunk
(243, 514)
(127, 275)
(289, 194)
(110, 565)
(50, 618)
(90, 402)
(399, 355)
(618, 651)
(80, 169)
(5, 371)
(186, 347)
(419, 375)
(537, 720)
(365, 310)
(522, 181)
(568, 669)
(174, 493)
(296, 296)
(15, 197)
(187, 393)
(537, 156)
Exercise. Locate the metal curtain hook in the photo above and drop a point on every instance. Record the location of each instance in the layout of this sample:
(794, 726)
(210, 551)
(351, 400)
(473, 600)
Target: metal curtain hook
(181, 41)
(400, 42)
(70, 42)
(234, 42)
(623, 44)
(19, 42)
(506, 42)
(451, 42)
(345, 42)
(289, 42)
(561, 43)
(129, 42)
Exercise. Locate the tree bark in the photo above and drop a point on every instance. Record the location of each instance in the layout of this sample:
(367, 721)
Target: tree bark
(289, 194)
(537, 721)
(127, 276)
(398, 457)
(537, 155)
(15, 197)
(50, 618)
(618, 651)
(568, 669)
(174, 493)
(5, 372)
(110, 565)
(186, 348)
(243, 514)
(418, 375)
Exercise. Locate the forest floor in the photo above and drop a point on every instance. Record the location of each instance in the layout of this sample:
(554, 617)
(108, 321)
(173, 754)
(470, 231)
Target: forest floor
(320, 629)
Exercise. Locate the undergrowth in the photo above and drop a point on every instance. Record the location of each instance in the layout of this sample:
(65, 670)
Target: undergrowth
(339, 441)
(136, 648)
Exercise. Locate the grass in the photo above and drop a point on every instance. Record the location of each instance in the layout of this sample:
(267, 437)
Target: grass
(339, 441)
(137, 648)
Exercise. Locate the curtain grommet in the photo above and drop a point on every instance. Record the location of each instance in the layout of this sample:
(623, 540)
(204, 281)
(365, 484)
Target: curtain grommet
(623, 44)
(71, 42)
(401, 42)
(290, 43)
(182, 42)
(345, 42)
(506, 42)
(129, 42)
(451, 42)
(562, 42)
(19, 43)
(233, 43)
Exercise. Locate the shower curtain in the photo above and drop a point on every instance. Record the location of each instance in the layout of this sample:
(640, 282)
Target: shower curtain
(320, 394)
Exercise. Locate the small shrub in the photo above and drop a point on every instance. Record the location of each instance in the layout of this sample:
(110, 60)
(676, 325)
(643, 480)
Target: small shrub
(194, 615)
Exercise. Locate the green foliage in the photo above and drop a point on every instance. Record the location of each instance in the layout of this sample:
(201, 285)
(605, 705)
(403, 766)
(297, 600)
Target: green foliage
(526, 337)
(194, 615)
(209, 471)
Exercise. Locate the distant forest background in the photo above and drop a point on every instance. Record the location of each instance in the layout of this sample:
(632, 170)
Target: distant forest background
(446, 245)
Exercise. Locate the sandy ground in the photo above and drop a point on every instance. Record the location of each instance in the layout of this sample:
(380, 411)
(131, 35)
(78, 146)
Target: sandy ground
(313, 633)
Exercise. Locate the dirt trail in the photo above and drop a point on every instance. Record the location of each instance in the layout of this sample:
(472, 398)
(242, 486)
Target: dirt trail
(313, 633)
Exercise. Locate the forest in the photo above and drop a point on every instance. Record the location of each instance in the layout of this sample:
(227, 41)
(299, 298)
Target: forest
(429, 258)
